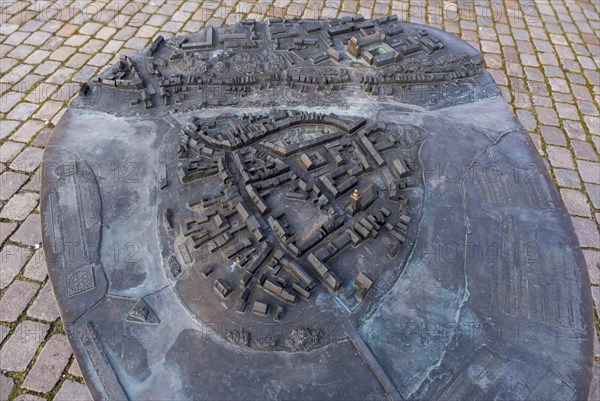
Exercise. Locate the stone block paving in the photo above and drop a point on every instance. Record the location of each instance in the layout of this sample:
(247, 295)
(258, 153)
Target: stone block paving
(544, 55)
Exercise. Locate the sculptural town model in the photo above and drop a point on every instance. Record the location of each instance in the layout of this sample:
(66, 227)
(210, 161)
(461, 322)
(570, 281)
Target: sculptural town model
(281, 220)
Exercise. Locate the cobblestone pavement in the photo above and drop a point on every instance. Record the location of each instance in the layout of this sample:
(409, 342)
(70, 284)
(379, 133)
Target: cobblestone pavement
(544, 55)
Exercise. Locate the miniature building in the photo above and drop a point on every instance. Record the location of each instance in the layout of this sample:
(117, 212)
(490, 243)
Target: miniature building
(373, 49)
(222, 288)
(260, 308)
(354, 204)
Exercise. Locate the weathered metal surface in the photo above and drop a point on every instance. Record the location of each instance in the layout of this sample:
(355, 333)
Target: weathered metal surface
(341, 209)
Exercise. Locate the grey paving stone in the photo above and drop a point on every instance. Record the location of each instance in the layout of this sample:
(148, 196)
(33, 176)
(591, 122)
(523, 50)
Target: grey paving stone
(537, 142)
(21, 51)
(27, 131)
(18, 350)
(37, 57)
(50, 364)
(36, 268)
(47, 67)
(73, 391)
(48, 110)
(567, 178)
(113, 46)
(3, 332)
(85, 74)
(527, 119)
(136, 43)
(534, 74)
(38, 38)
(10, 182)
(7, 29)
(586, 231)
(9, 150)
(584, 150)
(5, 230)
(74, 369)
(593, 190)
(19, 72)
(581, 92)
(32, 25)
(66, 91)
(53, 43)
(44, 307)
(6, 387)
(6, 63)
(35, 182)
(588, 108)
(589, 171)
(78, 60)
(61, 53)
(595, 390)
(9, 100)
(12, 259)
(100, 60)
(596, 140)
(8, 126)
(42, 138)
(62, 75)
(77, 40)
(28, 160)
(52, 26)
(553, 135)
(30, 232)
(559, 85)
(592, 122)
(19, 206)
(560, 157)
(576, 202)
(28, 397)
(592, 259)
(547, 116)
(22, 111)
(574, 130)
(57, 116)
(27, 84)
(567, 111)
(529, 59)
(15, 299)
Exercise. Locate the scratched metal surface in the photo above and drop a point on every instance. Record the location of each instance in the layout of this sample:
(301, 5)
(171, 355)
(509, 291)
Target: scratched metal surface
(341, 209)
